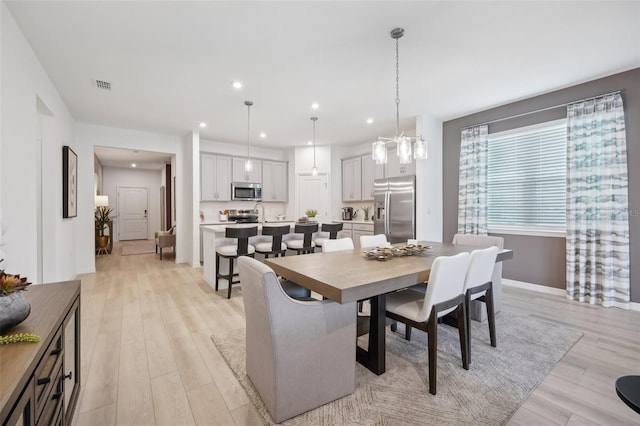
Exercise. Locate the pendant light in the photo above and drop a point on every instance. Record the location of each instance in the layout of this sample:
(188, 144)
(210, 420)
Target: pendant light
(314, 171)
(403, 143)
(248, 166)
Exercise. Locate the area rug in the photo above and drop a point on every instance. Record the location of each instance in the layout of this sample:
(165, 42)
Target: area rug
(139, 247)
(498, 381)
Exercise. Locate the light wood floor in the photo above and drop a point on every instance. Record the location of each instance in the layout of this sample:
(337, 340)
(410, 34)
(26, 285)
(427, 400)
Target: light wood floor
(147, 357)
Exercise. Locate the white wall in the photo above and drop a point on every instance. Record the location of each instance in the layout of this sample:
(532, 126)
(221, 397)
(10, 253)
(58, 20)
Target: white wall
(89, 136)
(25, 189)
(239, 150)
(429, 182)
(120, 177)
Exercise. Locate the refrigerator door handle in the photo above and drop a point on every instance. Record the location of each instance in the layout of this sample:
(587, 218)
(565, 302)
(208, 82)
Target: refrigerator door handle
(387, 212)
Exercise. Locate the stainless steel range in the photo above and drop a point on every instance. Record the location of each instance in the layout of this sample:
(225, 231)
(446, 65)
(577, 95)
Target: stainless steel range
(243, 216)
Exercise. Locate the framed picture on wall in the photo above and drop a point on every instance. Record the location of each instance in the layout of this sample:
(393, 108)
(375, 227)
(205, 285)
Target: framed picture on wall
(69, 182)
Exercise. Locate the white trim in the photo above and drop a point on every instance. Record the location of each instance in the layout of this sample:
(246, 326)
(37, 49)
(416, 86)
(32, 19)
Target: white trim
(532, 231)
(633, 306)
(534, 287)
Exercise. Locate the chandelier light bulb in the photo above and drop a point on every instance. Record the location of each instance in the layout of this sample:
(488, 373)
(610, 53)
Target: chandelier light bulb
(379, 150)
(314, 171)
(420, 150)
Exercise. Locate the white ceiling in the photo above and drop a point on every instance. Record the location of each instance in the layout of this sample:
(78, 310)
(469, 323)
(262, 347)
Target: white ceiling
(171, 64)
(146, 160)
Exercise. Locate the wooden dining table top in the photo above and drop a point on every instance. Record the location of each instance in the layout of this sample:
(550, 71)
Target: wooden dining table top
(348, 276)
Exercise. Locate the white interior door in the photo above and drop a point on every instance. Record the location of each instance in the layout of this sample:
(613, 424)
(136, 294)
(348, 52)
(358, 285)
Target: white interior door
(313, 193)
(133, 209)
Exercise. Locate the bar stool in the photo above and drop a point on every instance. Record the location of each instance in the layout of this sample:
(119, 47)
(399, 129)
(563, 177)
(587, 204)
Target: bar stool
(242, 248)
(275, 246)
(332, 229)
(304, 245)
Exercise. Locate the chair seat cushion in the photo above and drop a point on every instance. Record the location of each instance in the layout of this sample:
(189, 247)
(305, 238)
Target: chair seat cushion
(233, 250)
(266, 247)
(318, 241)
(295, 244)
(406, 303)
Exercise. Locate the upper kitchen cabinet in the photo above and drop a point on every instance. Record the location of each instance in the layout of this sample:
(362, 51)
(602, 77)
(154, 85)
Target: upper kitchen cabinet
(239, 175)
(370, 172)
(395, 169)
(352, 179)
(215, 177)
(274, 181)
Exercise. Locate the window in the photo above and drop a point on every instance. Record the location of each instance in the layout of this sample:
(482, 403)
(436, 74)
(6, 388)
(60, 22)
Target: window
(526, 180)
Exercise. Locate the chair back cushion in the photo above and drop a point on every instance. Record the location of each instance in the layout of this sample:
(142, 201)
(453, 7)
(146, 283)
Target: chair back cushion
(336, 245)
(446, 281)
(367, 241)
(481, 264)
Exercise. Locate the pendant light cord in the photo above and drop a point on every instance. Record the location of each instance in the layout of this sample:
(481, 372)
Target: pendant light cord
(397, 87)
(248, 127)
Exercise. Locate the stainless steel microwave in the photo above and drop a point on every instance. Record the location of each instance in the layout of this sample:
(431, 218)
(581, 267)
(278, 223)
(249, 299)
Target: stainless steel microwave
(244, 191)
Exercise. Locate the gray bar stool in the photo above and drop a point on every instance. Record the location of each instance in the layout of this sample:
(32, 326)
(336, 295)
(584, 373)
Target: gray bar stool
(332, 229)
(304, 245)
(242, 248)
(275, 246)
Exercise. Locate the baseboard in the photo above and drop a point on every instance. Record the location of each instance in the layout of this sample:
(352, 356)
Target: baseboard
(634, 306)
(534, 287)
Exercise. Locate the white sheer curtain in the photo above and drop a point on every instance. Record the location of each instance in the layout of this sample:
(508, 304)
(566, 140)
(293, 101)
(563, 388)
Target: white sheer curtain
(472, 184)
(597, 202)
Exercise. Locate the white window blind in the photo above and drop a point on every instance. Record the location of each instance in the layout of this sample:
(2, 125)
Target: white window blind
(526, 179)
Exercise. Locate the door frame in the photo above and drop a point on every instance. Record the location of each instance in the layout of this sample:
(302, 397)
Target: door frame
(299, 210)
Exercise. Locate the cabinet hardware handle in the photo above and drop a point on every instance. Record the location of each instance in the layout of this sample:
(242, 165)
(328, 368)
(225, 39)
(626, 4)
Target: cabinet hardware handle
(56, 351)
(68, 376)
(56, 396)
(43, 381)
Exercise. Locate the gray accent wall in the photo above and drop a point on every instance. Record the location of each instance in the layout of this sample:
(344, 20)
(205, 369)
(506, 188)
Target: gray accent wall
(541, 260)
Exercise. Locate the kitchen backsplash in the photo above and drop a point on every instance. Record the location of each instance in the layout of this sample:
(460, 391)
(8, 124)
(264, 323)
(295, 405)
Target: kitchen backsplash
(210, 210)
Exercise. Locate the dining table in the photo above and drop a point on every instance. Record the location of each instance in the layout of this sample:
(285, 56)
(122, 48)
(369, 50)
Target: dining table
(350, 276)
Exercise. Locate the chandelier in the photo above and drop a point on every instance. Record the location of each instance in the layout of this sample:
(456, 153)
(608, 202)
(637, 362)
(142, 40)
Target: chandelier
(403, 143)
(314, 171)
(248, 166)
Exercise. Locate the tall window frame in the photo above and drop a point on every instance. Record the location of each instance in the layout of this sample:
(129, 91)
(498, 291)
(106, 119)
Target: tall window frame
(526, 180)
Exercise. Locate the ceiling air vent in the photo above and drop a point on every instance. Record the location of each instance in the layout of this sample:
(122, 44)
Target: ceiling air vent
(104, 85)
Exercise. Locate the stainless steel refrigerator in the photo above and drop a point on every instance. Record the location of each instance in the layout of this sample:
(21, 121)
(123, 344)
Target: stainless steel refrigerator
(395, 208)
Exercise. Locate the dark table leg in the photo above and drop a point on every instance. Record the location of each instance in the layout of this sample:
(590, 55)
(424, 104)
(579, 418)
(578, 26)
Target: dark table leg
(374, 357)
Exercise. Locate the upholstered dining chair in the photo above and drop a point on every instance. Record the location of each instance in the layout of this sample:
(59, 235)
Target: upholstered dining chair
(328, 231)
(478, 286)
(367, 241)
(421, 310)
(483, 241)
(231, 252)
(337, 245)
(305, 244)
(165, 239)
(299, 355)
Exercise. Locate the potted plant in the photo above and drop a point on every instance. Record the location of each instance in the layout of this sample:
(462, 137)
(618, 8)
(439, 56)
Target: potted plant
(102, 219)
(311, 213)
(14, 307)
(365, 210)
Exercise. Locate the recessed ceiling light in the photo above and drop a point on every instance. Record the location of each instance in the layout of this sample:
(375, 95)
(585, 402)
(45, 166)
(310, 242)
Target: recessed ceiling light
(133, 164)
(237, 85)
(369, 120)
(203, 124)
(263, 135)
(309, 142)
(315, 105)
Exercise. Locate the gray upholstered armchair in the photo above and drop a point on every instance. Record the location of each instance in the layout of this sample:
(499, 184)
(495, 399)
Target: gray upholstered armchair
(165, 239)
(478, 311)
(300, 355)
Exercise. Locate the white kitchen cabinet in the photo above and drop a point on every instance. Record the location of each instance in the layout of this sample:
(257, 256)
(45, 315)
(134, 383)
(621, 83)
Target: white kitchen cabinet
(215, 177)
(239, 175)
(370, 172)
(274, 181)
(360, 229)
(351, 179)
(395, 169)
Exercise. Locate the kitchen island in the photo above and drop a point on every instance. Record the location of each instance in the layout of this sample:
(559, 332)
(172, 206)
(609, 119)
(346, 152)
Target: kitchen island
(214, 236)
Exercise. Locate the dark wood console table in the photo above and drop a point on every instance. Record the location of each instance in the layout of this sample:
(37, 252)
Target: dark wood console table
(41, 381)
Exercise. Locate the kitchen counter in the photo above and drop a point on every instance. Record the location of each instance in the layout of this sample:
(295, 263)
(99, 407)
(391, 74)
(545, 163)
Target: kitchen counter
(359, 222)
